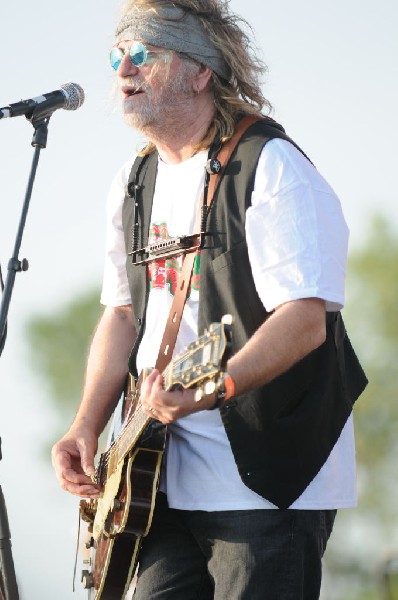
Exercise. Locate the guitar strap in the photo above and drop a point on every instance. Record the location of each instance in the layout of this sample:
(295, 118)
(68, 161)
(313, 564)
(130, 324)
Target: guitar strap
(177, 307)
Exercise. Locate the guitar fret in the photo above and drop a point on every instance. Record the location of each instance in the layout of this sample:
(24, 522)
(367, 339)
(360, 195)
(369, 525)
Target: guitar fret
(199, 361)
(126, 440)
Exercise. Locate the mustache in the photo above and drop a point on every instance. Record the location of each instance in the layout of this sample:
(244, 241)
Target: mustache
(136, 85)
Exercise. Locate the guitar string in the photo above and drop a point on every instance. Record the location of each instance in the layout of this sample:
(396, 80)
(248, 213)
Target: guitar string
(134, 416)
(116, 444)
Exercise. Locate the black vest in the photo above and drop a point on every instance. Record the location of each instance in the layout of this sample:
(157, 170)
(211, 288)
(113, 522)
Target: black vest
(280, 434)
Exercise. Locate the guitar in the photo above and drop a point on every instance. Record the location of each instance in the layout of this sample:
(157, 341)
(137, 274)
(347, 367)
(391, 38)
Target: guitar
(128, 471)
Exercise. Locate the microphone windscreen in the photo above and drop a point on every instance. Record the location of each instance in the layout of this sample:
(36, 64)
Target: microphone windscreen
(74, 94)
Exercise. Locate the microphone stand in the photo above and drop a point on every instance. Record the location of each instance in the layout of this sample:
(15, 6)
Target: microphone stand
(39, 120)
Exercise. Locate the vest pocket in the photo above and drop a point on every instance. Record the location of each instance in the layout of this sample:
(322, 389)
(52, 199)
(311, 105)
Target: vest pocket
(230, 257)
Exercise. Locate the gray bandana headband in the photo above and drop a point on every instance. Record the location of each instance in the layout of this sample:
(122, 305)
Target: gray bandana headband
(170, 27)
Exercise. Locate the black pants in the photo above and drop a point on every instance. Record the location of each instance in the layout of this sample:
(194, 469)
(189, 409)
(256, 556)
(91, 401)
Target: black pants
(233, 555)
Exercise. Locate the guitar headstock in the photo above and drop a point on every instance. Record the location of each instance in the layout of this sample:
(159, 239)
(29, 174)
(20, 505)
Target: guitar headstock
(203, 359)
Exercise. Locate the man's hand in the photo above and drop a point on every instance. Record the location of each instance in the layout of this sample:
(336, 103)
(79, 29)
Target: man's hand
(73, 461)
(73, 455)
(170, 406)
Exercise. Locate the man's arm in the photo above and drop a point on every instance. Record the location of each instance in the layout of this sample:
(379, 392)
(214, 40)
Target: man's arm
(73, 455)
(289, 334)
(294, 330)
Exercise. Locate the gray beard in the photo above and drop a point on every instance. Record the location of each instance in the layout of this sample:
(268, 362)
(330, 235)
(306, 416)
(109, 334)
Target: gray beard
(148, 115)
(165, 113)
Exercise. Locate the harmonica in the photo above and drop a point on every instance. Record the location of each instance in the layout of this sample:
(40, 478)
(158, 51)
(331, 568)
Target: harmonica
(166, 249)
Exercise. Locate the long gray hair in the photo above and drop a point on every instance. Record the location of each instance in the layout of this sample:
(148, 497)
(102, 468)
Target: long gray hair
(239, 94)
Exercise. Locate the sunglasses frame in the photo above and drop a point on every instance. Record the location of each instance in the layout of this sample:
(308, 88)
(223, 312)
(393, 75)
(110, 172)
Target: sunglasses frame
(135, 49)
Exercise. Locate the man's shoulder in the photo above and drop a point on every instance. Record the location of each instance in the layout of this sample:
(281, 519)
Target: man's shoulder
(266, 129)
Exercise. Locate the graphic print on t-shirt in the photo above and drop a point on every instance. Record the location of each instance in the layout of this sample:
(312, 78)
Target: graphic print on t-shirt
(165, 271)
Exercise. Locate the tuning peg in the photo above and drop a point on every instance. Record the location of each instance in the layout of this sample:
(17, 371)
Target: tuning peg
(199, 393)
(87, 580)
(227, 319)
(207, 389)
(90, 543)
(210, 387)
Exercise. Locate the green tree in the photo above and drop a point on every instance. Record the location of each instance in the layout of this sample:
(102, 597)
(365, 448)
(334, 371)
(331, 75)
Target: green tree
(371, 318)
(58, 345)
(372, 313)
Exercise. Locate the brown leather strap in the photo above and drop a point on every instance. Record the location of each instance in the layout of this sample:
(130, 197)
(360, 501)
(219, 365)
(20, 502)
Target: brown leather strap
(177, 307)
(225, 154)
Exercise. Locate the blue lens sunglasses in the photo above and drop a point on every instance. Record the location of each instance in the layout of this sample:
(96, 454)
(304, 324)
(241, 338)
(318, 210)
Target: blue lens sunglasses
(138, 54)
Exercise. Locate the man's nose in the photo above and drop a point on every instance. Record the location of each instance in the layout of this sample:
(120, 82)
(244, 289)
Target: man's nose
(126, 67)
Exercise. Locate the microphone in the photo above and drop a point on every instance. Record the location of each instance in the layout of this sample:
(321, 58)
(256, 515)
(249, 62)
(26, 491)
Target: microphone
(69, 97)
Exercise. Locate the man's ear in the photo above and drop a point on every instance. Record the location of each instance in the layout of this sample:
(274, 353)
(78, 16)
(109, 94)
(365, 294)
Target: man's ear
(202, 79)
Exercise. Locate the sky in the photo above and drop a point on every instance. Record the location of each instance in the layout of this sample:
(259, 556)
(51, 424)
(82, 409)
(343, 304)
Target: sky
(332, 79)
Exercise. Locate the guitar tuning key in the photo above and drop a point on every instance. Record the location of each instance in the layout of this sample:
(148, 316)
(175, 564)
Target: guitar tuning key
(199, 393)
(87, 580)
(90, 543)
(227, 319)
(210, 387)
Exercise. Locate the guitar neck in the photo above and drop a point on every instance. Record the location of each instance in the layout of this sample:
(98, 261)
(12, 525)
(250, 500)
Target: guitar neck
(130, 434)
(201, 361)
(122, 445)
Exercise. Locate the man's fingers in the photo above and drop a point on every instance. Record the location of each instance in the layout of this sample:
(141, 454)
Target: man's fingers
(84, 491)
(86, 457)
(148, 382)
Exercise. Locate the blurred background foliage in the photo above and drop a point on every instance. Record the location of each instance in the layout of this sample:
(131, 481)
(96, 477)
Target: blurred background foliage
(362, 558)
(59, 344)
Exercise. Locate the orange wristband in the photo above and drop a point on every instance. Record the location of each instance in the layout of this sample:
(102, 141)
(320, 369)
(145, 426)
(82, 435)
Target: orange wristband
(225, 391)
(229, 386)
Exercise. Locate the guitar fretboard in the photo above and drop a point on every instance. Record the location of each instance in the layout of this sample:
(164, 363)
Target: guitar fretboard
(200, 361)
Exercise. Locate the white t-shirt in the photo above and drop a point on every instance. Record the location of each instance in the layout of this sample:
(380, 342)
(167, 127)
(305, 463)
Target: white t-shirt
(297, 240)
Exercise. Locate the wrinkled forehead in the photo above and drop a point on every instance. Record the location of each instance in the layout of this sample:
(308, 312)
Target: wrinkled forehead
(169, 27)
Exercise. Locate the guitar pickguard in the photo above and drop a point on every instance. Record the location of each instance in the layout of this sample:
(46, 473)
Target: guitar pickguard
(106, 503)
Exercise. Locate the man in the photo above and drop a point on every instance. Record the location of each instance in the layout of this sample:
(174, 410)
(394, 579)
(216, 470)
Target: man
(278, 434)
